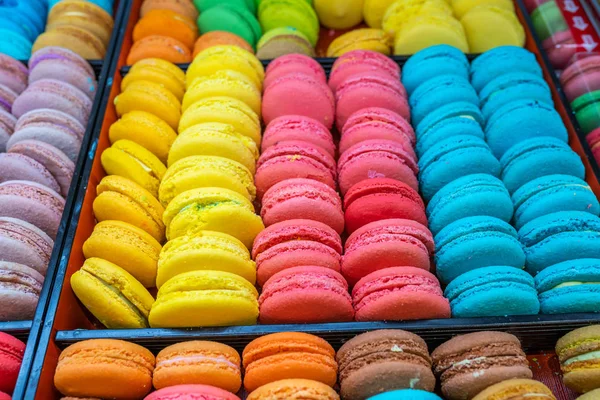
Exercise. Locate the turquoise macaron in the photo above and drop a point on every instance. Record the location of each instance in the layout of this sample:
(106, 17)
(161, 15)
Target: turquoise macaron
(468, 196)
(453, 119)
(550, 194)
(510, 87)
(500, 61)
(30, 12)
(229, 18)
(439, 91)
(14, 44)
(570, 287)
(452, 158)
(492, 292)
(476, 242)
(406, 394)
(521, 120)
(558, 237)
(432, 62)
(537, 157)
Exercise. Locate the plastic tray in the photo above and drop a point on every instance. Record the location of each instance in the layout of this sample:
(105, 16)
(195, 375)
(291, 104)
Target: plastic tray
(68, 322)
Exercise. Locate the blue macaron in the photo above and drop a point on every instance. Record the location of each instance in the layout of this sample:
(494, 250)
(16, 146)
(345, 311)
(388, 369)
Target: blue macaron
(453, 119)
(510, 87)
(406, 394)
(431, 62)
(439, 91)
(537, 157)
(30, 12)
(492, 292)
(502, 60)
(14, 44)
(570, 287)
(550, 194)
(468, 196)
(521, 120)
(476, 242)
(558, 237)
(452, 158)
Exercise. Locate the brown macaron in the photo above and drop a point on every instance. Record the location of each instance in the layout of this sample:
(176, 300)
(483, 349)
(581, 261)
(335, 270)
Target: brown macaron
(381, 361)
(467, 364)
(579, 355)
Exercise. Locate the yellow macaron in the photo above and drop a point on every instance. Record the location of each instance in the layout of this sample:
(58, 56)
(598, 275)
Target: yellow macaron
(461, 7)
(402, 12)
(205, 298)
(373, 11)
(150, 97)
(127, 246)
(121, 199)
(157, 72)
(225, 82)
(489, 26)
(205, 250)
(132, 161)
(81, 14)
(215, 139)
(426, 31)
(206, 171)
(212, 209)
(145, 129)
(226, 110)
(361, 39)
(76, 39)
(339, 14)
(112, 294)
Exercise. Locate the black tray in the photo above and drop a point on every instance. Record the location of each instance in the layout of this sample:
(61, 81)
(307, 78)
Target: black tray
(29, 331)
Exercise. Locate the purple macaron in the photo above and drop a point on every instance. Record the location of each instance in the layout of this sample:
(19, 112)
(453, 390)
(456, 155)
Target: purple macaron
(24, 243)
(14, 166)
(20, 288)
(7, 127)
(7, 98)
(13, 73)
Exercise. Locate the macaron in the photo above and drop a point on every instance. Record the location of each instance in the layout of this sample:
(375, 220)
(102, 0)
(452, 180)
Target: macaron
(21, 167)
(547, 238)
(297, 14)
(55, 117)
(166, 23)
(88, 16)
(374, 10)
(183, 7)
(581, 77)
(295, 243)
(298, 128)
(538, 157)
(485, 358)
(157, 71)
(475, 242)
(204, 298)
(470, 195)
(231, 18)
(402, 358)
(361, 62)
(214, 209)
(569, 286)
(219, 38)
(12, 357)
(297, 294)
(405, 394)
(7, 98)
(15, 44)
(423, 31)
(381, 198)
(589, 395)
(112, 295)
(369, 39)
(25, 244)
(587, 111)
(398, 14)
(339, 14)
(183, 391)
(198, 362)
(75, 38)
(286, 388)
(13, 74)
(379, 296)
(488, 26)
(520, 387)
(300, 198)
(577, 356)
(547, 18)
(291, 64)
(130, 377)
(282, 41)
(384, 244)
(560, 49)
(288, 355)
(7, 127)
(22, 292)
(163, 47)
(204, 250)
(592, 138)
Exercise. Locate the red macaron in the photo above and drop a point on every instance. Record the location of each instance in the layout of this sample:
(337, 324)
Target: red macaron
(11, 357)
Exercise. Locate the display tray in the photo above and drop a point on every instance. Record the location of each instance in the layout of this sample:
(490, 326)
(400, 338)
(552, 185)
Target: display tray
(29, 331)
(67, 321)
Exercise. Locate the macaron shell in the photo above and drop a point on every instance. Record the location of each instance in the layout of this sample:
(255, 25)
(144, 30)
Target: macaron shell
(292, 64)
(54, 117)
(7, 98)
(291, 388)
(166, 23)
(21, 167)
(162, 47)
(76, 39)
(54, 135)
(298, 128)
(21, 289)
(191, 391)
(219, 38)
(10, 361)
(183, 7)
(13, 73)
(25, 244)
(65, 71)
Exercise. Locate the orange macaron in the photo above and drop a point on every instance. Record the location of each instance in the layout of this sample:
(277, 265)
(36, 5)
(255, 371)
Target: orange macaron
(218, 38)
(199, 363)
(182, 7)
(166, 23)
(288, 355)
(163, 47)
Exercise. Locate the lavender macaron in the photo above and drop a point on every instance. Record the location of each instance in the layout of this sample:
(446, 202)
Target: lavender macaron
(20, 288)
(7, 98)
(14, 166)
(7, 127)
(13, 73)
(24, 243)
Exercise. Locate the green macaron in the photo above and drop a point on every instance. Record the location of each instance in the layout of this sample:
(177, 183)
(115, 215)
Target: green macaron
(298, 14)
(587, 111)
(547, 20)
(228, 17)
(204, 5)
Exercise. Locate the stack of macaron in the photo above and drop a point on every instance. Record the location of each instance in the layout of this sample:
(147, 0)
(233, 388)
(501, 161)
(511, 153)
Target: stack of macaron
(165, 30)
(578, 354)
(82, 26)
(43, 113)
(11, 358)
(20, 24)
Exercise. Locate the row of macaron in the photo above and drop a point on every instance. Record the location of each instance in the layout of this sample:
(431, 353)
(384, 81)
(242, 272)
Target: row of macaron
(44, 112)
(82, 26)
(384, 364)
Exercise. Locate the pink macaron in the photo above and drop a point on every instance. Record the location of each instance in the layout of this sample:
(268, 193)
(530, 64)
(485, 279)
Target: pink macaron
(560, 48)
(386, 243)
(299, 94)
(364, 91)
(399, 294)
(11, 358)
(295, 243)
(191, 392)
(581, 77)
(304, 295)
(7, 98)
(7, 127)
(303, 199)
(20, 292)
(294, 159)
(593, 139)
(24, 243)
(381, 198)
(362, 62)
(293, 63)
(298, 128)
(377, 159)
(56, 95)
(14, 166)
(33, 203)
(13, 73)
